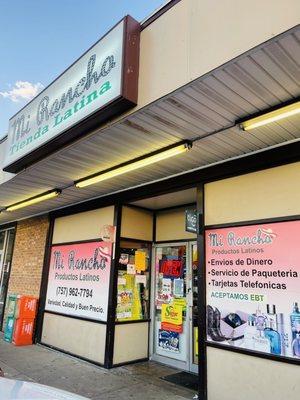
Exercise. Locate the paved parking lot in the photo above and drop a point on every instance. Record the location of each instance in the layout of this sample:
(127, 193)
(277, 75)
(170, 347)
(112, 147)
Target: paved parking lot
(48, 367)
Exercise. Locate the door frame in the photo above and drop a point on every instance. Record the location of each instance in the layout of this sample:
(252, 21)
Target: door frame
(181, 365)
(192, 367)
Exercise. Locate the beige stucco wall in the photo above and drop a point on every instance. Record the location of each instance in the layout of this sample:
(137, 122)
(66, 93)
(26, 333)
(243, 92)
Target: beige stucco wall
(270, 193)
(196, 36)
(137, 224)
(131, 342)
(82, 226)
(222, 30)
(274, 192)
(83, 338)
(233, 376)
(170, 225)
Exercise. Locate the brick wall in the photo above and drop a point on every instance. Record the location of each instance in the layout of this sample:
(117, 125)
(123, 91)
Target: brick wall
(28, 256)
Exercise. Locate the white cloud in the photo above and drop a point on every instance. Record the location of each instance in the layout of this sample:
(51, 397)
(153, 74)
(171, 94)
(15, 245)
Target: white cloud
(22, 90)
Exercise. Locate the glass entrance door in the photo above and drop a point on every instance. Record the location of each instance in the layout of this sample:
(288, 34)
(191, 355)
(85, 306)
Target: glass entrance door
(171, 320)
(174, 307)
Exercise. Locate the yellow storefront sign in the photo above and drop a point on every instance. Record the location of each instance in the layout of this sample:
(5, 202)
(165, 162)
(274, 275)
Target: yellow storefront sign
(171, 313)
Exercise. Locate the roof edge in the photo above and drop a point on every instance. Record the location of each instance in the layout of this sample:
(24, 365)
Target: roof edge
(162, 10)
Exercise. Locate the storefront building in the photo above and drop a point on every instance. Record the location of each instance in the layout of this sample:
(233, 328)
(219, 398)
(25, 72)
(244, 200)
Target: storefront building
(150, 198)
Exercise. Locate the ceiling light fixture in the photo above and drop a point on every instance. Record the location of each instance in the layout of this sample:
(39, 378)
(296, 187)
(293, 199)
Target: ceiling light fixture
(33, 200)
(272, 116)
(137, 163)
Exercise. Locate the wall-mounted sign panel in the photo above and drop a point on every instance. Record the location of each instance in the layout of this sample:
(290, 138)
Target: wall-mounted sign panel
(191, 220)
(253, 288)
(99, 85)
(78, 281)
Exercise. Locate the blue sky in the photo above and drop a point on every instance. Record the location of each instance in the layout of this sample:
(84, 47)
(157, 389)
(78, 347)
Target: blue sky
(41, 38)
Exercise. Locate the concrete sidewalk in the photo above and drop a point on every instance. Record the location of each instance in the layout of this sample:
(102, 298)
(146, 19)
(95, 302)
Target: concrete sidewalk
(48, 367)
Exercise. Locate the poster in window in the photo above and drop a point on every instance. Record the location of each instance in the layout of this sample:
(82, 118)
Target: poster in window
(178, 288)
(140, 260)
(78, 280)
(129, 299)
(171, 313)
(253, 287)
(168, 340)
(124, 259)
(124, 303)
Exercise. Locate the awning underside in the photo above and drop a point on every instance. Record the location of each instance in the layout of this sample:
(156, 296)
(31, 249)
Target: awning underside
(264, 77)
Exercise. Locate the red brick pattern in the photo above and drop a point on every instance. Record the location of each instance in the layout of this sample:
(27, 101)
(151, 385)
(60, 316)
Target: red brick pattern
(28, 256)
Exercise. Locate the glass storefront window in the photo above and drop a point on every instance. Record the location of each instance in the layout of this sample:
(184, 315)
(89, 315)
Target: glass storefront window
(133, 281)
(195, 301)
(2, 239)
(6, 250)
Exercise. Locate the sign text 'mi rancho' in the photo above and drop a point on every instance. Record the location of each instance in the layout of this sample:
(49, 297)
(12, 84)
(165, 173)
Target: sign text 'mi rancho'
(92, 90)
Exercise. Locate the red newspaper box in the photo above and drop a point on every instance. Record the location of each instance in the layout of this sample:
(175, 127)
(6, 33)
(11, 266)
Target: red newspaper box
(26, 307)
(23, 331)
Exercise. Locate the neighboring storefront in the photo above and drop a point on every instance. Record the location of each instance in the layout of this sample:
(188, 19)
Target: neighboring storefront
(7, 237)
(192, 261)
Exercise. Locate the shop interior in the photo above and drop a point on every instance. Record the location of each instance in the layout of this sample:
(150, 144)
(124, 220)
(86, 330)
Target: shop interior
(156, 315)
